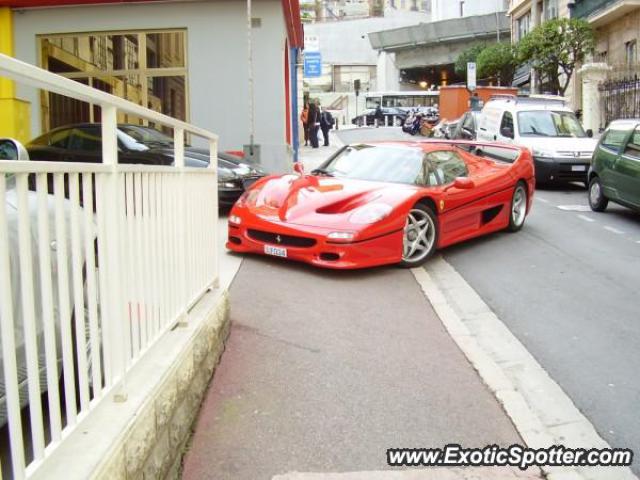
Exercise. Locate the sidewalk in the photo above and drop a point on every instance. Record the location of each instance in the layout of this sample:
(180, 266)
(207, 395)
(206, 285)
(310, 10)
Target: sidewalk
(325, 370)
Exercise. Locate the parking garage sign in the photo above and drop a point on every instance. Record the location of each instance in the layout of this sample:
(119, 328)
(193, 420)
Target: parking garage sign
(312, 64)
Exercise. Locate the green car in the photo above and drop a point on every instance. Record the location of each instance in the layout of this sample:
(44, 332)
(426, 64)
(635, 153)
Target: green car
(615, 167)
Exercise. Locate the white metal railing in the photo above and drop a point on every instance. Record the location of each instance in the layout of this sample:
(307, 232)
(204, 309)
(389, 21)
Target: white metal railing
(97, 261)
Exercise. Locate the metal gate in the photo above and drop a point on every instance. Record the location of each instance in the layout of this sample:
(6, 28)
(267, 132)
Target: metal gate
(620, 99)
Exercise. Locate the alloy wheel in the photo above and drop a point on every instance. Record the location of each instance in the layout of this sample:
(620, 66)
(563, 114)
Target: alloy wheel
(519, 206)
(419, 236)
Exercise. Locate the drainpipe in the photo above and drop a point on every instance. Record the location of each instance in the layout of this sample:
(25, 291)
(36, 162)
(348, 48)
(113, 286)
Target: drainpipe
(534, 24)
(293, 91)
(250, 78)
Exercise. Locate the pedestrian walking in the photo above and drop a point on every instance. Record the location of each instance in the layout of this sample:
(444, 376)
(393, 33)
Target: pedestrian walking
(326, 124)
(304, 118)
(313, 120)
(378, 116)
(475, 103)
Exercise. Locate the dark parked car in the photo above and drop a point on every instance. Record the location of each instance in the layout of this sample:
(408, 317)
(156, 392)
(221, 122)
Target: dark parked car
(392, 117)
(145, 145)
(467, 127)
(615, 167)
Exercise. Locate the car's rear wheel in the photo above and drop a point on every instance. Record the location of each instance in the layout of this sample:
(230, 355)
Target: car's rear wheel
(420, 236)
(597, 201)
(518, 207)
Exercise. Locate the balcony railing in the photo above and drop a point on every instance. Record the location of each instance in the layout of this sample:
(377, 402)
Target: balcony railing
(97, 262)
(585, 8)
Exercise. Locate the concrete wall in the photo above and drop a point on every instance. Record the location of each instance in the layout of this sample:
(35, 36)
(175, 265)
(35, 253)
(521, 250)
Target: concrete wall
(217, 60)
(146, 436)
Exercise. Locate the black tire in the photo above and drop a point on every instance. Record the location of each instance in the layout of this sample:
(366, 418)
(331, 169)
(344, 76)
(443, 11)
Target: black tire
(518, 207)
(432, 234)
(597, 200)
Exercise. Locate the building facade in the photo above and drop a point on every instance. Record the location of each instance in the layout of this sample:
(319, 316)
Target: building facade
(609, 82)
(185, 59)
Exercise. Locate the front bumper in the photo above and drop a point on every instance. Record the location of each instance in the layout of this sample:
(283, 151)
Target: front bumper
(310, 244)
(561, 170)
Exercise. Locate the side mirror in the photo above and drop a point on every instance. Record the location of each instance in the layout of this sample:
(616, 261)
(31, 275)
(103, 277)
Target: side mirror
(298, 168)
(590, 133)
(463, 183)
(11, 149)
(506, 132)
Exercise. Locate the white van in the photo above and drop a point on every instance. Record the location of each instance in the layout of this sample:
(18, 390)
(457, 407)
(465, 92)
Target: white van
(561, 148)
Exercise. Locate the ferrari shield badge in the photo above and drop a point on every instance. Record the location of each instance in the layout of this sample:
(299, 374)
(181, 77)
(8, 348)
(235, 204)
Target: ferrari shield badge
(441, 205)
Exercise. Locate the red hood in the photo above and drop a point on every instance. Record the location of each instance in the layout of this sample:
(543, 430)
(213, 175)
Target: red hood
(320, 201)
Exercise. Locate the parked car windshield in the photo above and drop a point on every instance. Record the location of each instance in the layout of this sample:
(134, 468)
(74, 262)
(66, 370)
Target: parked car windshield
(545, 123)
(379, 163)
(146, 135)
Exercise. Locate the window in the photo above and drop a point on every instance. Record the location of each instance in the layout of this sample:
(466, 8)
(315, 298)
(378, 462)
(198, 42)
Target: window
(550, 9)
(522, 26)
(86, 139)
(507, 122)
(544, 123)
(614, 138)
(633, 147)
(145, 67)
(630, 52)
(59, 139)
(446, 166)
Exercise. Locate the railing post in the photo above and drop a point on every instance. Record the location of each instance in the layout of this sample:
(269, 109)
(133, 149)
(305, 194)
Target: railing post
(117, 314)
(178, 151)
(213, 164)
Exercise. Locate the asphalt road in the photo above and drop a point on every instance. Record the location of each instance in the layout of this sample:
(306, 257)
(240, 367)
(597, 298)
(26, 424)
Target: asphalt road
(568, 287)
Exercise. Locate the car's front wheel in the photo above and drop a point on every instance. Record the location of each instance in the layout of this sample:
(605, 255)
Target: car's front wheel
(518, 208)
(420, 236)
(597, 201)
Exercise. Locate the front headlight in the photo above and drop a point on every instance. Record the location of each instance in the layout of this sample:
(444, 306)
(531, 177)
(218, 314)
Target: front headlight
(372, 213)
(226, 184)
(542, 153)
(345, 237)
(236, 220)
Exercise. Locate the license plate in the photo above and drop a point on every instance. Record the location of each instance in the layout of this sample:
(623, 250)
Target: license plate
(275, 251)
(578, 168)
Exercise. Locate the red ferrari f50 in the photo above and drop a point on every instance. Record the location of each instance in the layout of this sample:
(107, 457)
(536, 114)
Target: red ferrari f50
(383, 203)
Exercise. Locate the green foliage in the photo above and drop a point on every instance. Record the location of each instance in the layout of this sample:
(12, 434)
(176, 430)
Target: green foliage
(555, 48)
(469, 55)
(498, 61)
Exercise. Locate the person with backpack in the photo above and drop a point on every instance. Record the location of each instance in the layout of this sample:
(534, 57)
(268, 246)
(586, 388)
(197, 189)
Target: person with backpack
(326, 124)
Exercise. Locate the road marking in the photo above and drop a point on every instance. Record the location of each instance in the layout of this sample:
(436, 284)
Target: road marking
(543, 200)
(585, 218)
(540, 410)
(614, 230)
(575, 208)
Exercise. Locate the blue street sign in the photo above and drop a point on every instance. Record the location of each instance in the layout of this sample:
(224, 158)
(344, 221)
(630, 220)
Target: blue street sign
(312, 64)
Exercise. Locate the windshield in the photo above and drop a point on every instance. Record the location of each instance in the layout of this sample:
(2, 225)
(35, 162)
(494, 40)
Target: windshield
(544, 123)
(146, 135)
(380, 164)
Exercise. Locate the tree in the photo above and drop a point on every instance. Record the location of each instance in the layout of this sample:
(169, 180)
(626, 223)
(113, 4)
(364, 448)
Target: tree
(469, 55)
(555, 48)
(498, 61)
